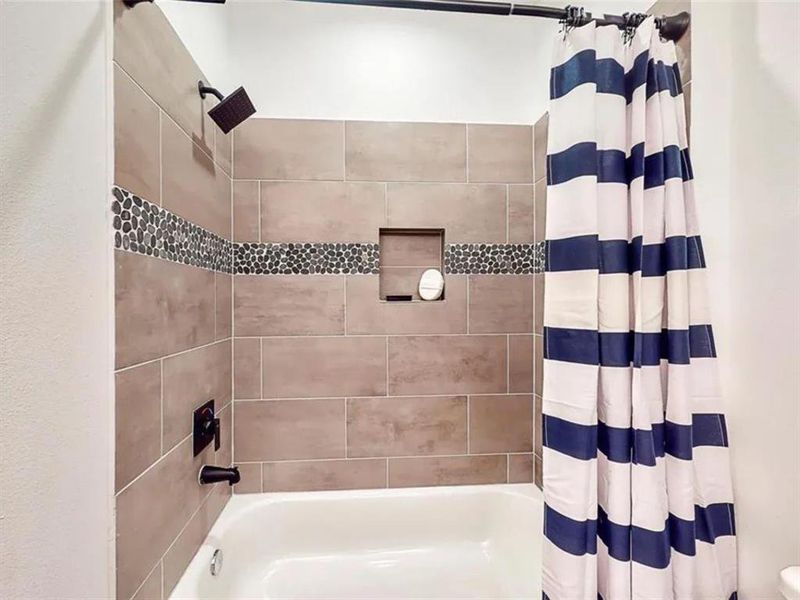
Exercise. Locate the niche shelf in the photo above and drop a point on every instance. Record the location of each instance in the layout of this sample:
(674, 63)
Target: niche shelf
(404, 255)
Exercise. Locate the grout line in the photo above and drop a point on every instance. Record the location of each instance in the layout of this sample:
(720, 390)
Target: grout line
(160, 159)
(148, 469)
(380, 335)
(160, 562)
(292, 399)
(468, 424)
(508, 363)
(166, 356)
(507, 213)
(346, 450)
(146, 577)
(261, 366)
(373, 458)
(344, 303)
(161, 417)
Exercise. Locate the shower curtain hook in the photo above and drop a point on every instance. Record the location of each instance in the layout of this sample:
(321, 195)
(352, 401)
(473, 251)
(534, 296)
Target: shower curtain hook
(573, 17)
(632, 21)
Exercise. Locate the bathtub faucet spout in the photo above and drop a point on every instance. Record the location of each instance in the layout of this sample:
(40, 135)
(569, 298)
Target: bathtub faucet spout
(211, 474)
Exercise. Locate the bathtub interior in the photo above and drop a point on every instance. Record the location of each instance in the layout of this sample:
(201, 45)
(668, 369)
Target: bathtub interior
(470, 542)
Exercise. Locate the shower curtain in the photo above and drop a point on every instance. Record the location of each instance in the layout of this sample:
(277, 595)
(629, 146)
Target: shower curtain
(636, 471)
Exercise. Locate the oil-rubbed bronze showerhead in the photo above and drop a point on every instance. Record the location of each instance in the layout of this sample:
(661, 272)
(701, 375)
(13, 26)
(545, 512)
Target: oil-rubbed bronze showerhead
(231, 110)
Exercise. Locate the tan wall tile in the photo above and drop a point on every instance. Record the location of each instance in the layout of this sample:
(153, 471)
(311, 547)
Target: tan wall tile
(406, 426)
(540, 148)
(520, 468)
(538, 433)
(137, 159)
(190, 380)
(224, 456)
(411, 249)
(520, 214)
(500, 424)
(520, 364)
(318, 367)
(380, 151)
(161, 307)
(138, 421)
(247, 368)
(151, 588)
(148, 49)
(288, 305)
(538, 364)
(246, 219)
(467, 213)
(321, 211)
(420, 365)
(193, 186)
(324, 475)
(250, 482)
(153, 510)
(540, 210)
(289, 149)
(501, 304)
(500, 153)
(224, 312)
(537, 471)
(367, 314)
(538, 303)
(223, 150)
(449, 470)
(290, 429)
(189, 541)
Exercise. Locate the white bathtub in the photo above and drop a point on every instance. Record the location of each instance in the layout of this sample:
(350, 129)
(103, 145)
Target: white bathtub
(446, 542)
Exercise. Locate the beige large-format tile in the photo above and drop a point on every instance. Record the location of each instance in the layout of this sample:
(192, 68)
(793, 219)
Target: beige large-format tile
(288, 305)
(501, 303)
(148, 49)
(152, 511)
(288, 149)
(246, 219)
(161, 307)
(501, 423)
(250, 482)
(182, 551)
(458, 364)
(190, 380)
(411, 249)
(321, 211)
(247, 368)
(539, 210)
(383, 151)
(224, 310)
(500, 153)
(151, 588)
(447, 470)
(224, 456)
(467, 212)
(324, 475)
(538, 364)
(406, 426)
(138, 421)
(520, 364)
(540, 147)
(137, 158)
(290, 429)
(520, 468)
(319, 367)
(520, 214)
(367, 314)
(193, 186)
(223, 150)
(538, 303)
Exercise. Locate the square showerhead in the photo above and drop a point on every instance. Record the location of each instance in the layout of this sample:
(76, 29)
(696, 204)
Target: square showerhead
(232, 110)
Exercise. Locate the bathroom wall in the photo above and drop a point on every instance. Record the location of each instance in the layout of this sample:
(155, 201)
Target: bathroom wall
(56, 311)
(335, 388)
(172, 225)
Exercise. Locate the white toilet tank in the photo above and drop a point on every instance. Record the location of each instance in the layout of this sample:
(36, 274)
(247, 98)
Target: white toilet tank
(790, 583)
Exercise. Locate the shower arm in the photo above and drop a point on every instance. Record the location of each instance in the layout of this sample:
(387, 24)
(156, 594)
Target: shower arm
(670, 27)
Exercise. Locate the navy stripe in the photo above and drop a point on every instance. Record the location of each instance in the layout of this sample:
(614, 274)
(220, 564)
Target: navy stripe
(610, 77)
(669, 163)
(637, 76)
(616, 537)
(576, 537)
(624, 444)
(576, 161)
(572, 439)
(584, 252)
(709, 429)
(660, 78)
(713, 521)
(621, 349)
(579, 69)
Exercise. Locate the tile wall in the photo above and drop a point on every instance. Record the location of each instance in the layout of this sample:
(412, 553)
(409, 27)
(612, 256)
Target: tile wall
(335, 388)
(172, 220)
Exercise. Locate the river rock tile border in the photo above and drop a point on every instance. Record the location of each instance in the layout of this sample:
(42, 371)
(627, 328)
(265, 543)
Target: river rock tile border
(145, 228)
(306, 259)
(494, 259)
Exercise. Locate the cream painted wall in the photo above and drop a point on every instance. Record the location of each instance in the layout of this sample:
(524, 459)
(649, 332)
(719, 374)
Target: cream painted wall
(56, 397)
(746, 150)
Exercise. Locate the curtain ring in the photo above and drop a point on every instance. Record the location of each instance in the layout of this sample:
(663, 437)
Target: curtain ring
(574, 16)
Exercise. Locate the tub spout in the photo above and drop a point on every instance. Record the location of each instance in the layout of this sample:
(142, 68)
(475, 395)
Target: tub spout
(211, 474)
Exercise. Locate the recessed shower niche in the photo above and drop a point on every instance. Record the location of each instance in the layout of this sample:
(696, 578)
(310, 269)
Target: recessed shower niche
(405, 254)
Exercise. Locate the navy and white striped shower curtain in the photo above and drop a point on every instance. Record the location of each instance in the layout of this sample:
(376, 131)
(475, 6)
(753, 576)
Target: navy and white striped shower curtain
(636, 470)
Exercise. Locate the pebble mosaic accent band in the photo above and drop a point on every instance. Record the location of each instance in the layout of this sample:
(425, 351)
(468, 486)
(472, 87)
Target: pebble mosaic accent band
(494, 259)
(306, 259)
(146, 228)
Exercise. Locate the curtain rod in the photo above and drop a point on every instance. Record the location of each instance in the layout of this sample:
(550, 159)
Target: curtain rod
(670, 27)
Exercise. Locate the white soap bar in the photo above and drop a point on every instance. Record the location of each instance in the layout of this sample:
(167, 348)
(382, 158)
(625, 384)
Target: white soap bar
(431, 285)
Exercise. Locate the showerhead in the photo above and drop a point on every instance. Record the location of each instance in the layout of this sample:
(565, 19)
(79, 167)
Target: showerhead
(231, 110)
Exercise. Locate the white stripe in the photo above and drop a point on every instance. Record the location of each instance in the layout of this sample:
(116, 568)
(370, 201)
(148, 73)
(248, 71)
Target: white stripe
(566, 576)
(570, 299)
(571, 485)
